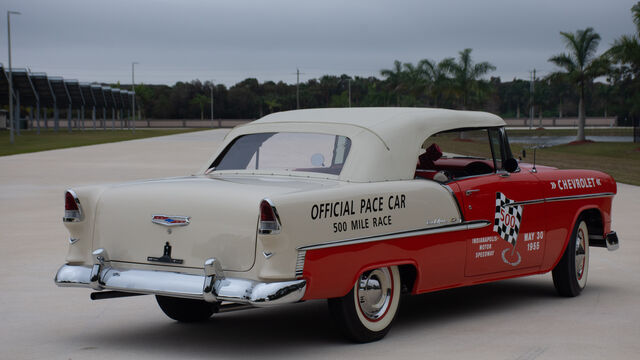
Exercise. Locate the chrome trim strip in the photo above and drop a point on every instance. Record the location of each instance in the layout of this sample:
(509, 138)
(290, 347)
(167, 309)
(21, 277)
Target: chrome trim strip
(525, 202)
(219, 288)
(476, 224)
(300, 262)
(447, 228)
(455, 200)
(577, 197)
(560, 198)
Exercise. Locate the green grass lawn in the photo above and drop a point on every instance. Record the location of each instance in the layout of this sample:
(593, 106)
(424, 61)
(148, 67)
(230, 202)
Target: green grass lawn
(602, 131)
(620, 160)
(29, 141)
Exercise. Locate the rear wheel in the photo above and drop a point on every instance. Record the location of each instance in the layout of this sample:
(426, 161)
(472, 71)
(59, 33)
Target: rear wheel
(570, 275)
(186, 310)
(365, 314)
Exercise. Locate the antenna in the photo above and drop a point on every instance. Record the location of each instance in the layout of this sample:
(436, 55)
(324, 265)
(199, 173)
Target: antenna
(541, 146)
(534, 170)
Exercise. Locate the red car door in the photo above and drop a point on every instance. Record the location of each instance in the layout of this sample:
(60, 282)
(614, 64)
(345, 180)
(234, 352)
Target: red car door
(514, 238)
(510, 203)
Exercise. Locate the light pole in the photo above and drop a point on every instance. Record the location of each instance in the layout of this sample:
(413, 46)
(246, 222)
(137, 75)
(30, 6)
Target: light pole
(133, 100)
(297, 88)
(531, 90)
(11, 139)
(212, 81)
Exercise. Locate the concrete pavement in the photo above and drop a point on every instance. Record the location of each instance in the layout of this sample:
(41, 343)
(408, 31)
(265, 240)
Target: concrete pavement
(513, 319)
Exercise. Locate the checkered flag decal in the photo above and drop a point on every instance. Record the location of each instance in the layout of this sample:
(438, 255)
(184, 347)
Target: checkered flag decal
(507, 221)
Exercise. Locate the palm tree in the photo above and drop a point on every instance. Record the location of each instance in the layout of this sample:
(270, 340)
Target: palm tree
(413, 83)
(272, 103)
(626, 52)
(395, 78)
(437, 78)
(626, 49)
(580, 65)
(466, 75)
(200, 100)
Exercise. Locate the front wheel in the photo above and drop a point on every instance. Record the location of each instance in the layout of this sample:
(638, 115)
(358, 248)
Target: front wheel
(186, 310)
(570, 275)
(365, 314)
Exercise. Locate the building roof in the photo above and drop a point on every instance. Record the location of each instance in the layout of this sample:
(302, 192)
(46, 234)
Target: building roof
(43, 87)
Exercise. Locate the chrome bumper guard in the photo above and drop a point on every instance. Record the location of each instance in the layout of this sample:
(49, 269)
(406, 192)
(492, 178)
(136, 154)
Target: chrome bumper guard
(609, 241)
(212, 286)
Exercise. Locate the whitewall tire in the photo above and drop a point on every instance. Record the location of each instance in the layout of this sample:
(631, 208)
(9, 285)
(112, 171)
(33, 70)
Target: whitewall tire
(570, 275)
(365, 314)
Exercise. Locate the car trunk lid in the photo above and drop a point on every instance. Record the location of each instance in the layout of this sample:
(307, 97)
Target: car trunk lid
(184, 221)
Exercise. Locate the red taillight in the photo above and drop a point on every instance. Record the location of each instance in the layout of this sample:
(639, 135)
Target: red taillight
(72, 210)
(70, 202)
(269, 222)
(266, 213)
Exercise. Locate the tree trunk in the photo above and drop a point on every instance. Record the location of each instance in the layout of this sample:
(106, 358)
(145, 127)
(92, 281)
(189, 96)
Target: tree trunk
(518, 112)
(581, 116)
(540, 116)
(560, 110)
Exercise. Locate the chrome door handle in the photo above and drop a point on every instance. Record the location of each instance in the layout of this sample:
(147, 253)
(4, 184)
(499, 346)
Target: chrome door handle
(469, 192)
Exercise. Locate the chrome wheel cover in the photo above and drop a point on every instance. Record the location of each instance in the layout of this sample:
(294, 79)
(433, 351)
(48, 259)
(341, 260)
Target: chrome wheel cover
(374, 293)
(581, 253)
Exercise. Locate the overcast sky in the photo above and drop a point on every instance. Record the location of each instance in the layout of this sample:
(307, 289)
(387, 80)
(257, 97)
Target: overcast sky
(231, 40)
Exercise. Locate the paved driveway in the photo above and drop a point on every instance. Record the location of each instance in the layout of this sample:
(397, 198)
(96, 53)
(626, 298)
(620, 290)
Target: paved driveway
(513, 319)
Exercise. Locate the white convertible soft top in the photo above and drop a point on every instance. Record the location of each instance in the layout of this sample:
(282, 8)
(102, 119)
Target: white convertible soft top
(386, 142)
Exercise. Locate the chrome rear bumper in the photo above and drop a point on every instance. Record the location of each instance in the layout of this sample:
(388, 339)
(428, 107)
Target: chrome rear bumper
(609, 241)
(212, 286)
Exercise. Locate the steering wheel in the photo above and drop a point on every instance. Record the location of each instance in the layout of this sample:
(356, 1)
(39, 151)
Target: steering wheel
(477, 168)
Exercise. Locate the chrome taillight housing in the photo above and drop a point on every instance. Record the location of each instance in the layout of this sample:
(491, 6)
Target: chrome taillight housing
(72, 209)
(269, 222)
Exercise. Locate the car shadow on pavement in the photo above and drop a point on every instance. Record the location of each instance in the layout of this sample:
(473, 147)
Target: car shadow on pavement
(292, 329)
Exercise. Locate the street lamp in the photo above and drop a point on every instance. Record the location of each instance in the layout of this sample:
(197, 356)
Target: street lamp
(10, 75)
(133, 101)
(211, 103)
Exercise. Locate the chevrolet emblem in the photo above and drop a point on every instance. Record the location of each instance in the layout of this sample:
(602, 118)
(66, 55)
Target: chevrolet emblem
(170, 220)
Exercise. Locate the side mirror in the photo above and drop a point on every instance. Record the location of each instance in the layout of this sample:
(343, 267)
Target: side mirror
(511, 165)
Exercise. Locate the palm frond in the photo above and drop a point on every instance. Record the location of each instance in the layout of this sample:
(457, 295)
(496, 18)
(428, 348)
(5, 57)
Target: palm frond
(590, 39)
(389, 73)
(427, 69)
(482, 69)
(445, 65)
(570, 41)
(564, 61)
(598, 67)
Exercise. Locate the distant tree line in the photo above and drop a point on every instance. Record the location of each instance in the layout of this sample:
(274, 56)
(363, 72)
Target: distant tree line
(454, 82)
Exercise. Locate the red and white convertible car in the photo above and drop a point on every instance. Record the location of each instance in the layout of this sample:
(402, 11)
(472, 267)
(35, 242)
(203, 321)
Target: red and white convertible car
(351, 205)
